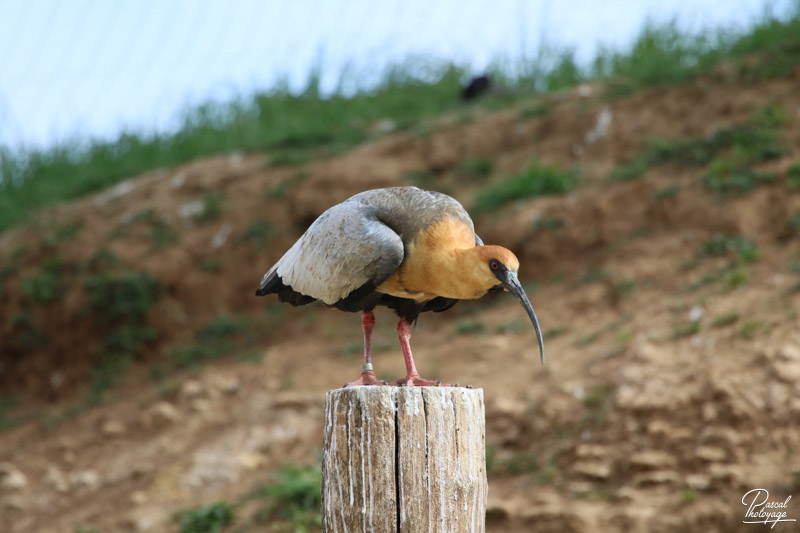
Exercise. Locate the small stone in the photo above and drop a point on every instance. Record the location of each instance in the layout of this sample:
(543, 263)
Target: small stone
(221, 236)
(11, 478)
(112, 428)
(789, 352)
(87, 479)
(227, 384)
(652, 460)
(138, 497)
(593, 470)
(252, 460)
(593, 451)
(191, 389)
(711, 454)
(190, 210)
(698, 481)
(56, 480)
(161, 415)
(201, 406)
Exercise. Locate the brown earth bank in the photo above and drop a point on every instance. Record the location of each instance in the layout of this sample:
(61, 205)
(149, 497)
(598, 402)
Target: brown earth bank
(672, 383)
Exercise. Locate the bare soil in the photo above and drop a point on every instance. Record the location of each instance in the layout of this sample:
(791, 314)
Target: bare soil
(653, 412)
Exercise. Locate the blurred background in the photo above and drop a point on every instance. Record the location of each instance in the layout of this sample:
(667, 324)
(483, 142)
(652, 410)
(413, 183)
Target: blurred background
(155, 160)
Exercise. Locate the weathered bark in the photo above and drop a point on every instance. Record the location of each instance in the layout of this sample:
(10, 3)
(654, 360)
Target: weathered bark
(406, 459)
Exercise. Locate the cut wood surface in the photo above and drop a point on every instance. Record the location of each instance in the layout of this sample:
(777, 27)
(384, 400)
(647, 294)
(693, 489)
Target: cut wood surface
(408, 459)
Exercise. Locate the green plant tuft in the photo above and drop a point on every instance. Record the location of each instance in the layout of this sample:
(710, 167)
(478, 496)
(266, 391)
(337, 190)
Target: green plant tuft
(535, 180)
(122, 296)
(46, 286)
(209, 519)
(294, 500)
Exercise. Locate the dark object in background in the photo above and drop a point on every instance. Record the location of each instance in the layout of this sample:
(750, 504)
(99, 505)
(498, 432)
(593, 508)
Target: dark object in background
(476, 87)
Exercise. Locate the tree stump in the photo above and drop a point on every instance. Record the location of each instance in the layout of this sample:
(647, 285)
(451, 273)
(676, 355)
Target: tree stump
(405, 459)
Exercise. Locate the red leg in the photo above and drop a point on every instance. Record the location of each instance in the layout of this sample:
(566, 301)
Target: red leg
(412, 376)
(367, 374)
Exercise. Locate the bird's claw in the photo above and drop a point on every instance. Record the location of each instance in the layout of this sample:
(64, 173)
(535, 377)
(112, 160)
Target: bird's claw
(417, 381)
(367, 378)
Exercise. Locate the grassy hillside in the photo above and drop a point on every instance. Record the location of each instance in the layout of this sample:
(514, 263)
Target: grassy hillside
(294, 127)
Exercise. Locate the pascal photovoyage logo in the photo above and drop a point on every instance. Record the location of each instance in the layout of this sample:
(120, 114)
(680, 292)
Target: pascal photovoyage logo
(762, 510)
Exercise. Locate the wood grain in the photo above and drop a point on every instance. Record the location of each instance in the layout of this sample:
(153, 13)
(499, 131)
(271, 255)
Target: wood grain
(407, 459)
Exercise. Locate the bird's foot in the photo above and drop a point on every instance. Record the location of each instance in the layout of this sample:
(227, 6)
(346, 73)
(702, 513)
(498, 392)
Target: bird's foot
(415, 381)
(367, 378)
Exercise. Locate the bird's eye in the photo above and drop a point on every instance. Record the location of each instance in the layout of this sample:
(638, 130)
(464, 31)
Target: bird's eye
(494, 264)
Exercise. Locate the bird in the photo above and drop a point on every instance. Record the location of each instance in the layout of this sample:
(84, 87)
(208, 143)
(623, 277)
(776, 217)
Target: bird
(404, 248)
(477, 86)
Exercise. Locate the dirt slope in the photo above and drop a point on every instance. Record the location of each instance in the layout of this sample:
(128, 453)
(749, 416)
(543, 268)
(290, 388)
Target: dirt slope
(672, 380)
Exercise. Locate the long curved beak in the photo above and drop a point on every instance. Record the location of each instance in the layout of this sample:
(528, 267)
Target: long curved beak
(511, 282)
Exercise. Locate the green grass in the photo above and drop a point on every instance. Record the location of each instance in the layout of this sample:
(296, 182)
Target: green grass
(749, 329)
(212, 518)
(217, 339)
(291, 126)
(475, 169)
(517, 463)
(725, 319)
(121, 302)
(534, 180)
(688, 495)
(293, 500)
(212, 208)
(126, 296)
(46, 286)
(62, 234)
(793, 177)
(277, 121)
(161, 236)
(726, 178)
(742, 250)
(685, 329)
(728, 153)
(597, 402)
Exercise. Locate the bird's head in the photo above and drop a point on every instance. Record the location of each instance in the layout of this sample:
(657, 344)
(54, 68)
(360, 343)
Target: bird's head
(501, 265)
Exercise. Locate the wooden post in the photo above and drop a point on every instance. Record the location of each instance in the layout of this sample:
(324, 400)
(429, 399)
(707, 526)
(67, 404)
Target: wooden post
(405, 459)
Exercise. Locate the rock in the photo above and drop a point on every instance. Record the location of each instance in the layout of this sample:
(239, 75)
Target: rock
(189, 210)
(11, 478)
(147, 519)
(221, 236)
(191, 389)
(201, 406)
(112, 428)
(138, 497)
(659, 428)
(226, 384)
(711, 454)
(85, 479)
(788, 370)
(592, 469)
(652, 460)
(593, 451)
(698, 481)
(789, 352)
(252, 460)
(162, 414)
(56, 480)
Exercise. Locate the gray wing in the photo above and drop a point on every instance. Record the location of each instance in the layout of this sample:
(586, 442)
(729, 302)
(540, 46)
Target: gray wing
(345, 248)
